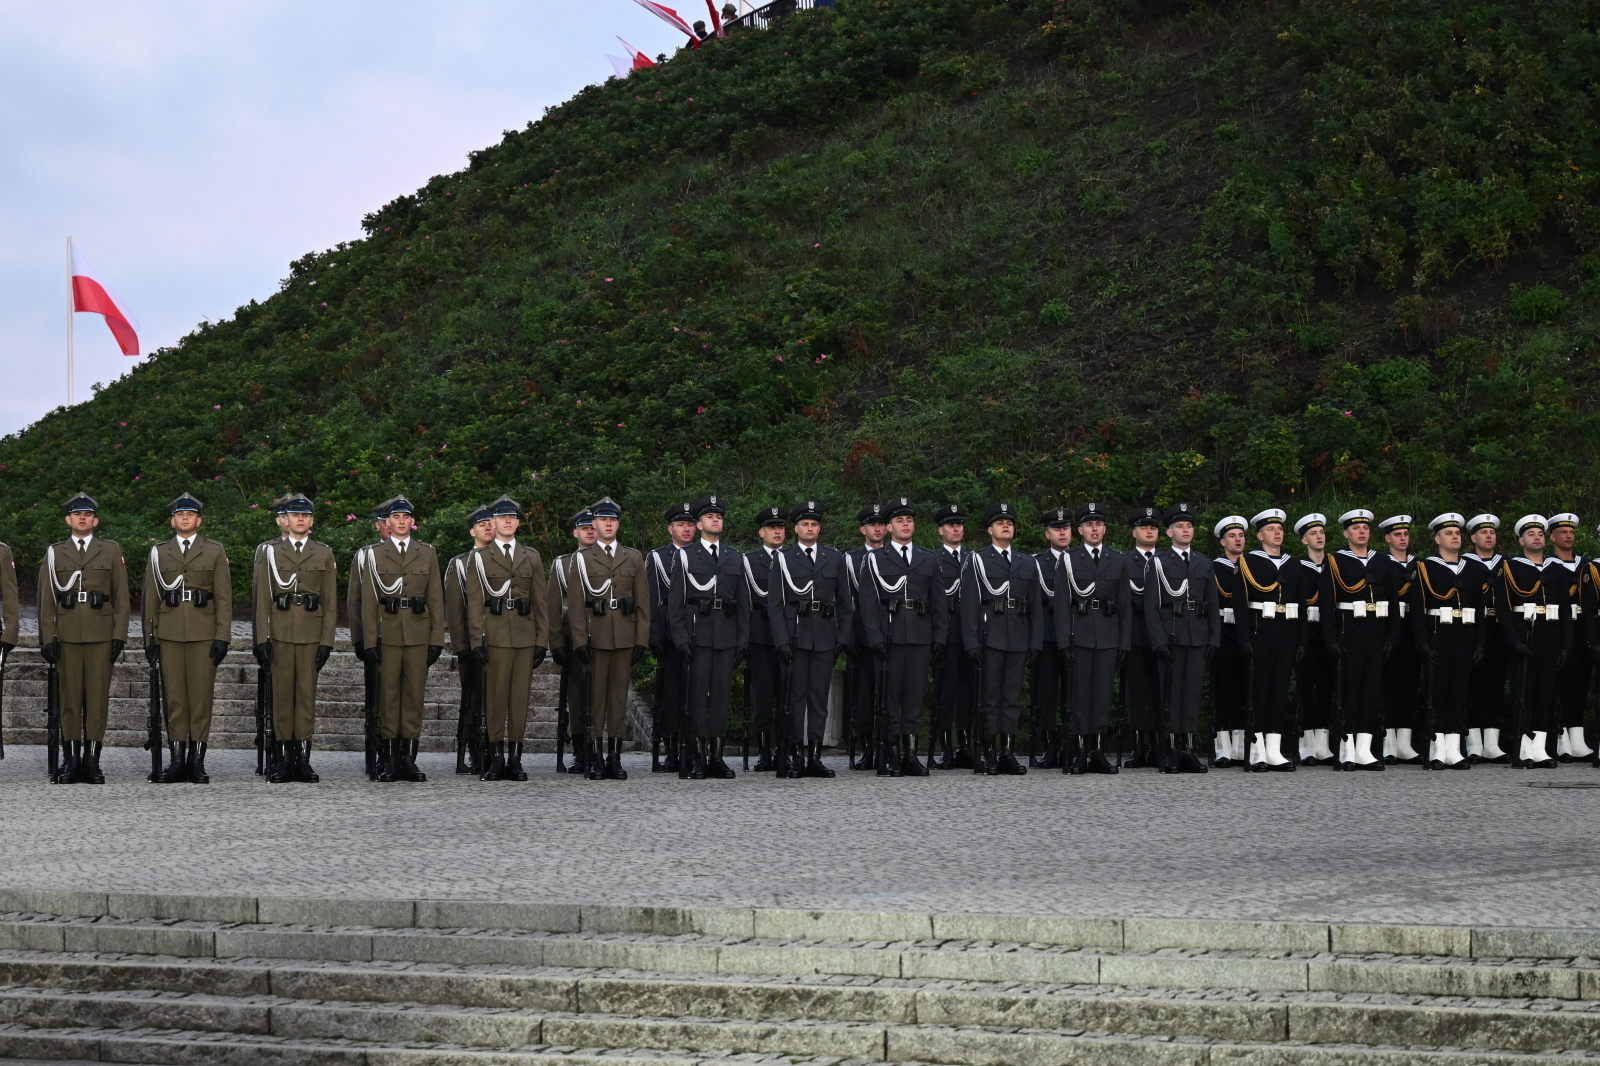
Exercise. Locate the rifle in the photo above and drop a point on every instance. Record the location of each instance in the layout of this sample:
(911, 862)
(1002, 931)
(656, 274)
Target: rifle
(562, 724)
(747, 667)
(261, 723)
(1250, 710)
(880, 706)
(152, 742)
(52, 721)
(369, 713)
(979, 718)
(3, 655)
(851, 700)
(655, 716)
(1122, 707)
(264, 714)
(1522, 712)
(1429, 722)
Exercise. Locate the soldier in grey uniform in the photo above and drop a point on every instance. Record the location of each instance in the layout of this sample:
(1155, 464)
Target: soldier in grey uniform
(1139, 675)
(294, 611)
(763, 672)
(668, 711)
(1048, 693)
(1002, 616)
(809, 606)
(561, 600)
(1094, 630)
(955, 678)
(1185, 629)
(188, 622)
(711, 629)
(906, 629)
(861, 669)
(480, 527)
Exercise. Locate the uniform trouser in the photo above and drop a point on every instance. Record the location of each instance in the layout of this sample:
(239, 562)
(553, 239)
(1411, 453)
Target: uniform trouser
(710, 690)
(1227, 682)
(1273, 668)
(402, 678)
(613, 674)
(810, 678)
(85, 690)
(905, 687)
(294, 690)
(1575, 685)
(1182, 681)
(1486, 701)
(955, 689)
(1451, 679)
(1314, 684)
(861, 688)
(1535, 682)
(1402, 675)
(1048, 693)
(188, 685)
(1144, 693)
(763, 675)
(1094, 672)
(508, 680)
(1361, 674)
(1002, 691)
(669, 692)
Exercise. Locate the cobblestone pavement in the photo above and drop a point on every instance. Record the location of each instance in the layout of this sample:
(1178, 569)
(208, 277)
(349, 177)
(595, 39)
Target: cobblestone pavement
(1401, 846)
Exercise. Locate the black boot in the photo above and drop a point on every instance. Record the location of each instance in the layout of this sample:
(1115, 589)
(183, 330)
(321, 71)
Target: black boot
(1073, 760)
(1007, 762)
(302, 763)
(71, 763)
(464, 757)
(947, 755)
(614, 770)
(514, 770)
(989, 756)
(716, 766)
(594, 763)
(864, 760)
(282, 763)
(580, 756)
(888, 760)
(694, 761)
(91, 765)
(1096, 761)
(176, 769)
(764, 762)
(909, 764)
(814, 764)
(1188, 761)
(965, 757)
(496, 770)
(670, 761)
(794, 759)
(406, 756)
(1136, 758)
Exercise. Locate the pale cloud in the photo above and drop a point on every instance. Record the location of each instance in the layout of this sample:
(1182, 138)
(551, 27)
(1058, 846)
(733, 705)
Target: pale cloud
(194, 149)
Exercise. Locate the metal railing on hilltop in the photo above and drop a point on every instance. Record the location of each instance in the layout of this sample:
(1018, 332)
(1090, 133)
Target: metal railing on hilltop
(758, 17)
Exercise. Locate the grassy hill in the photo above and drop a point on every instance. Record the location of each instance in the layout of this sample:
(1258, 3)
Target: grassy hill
(1237, 253)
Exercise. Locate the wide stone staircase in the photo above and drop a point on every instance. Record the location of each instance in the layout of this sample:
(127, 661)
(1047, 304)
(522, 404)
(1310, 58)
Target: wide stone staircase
(340, 725)
(239, 980)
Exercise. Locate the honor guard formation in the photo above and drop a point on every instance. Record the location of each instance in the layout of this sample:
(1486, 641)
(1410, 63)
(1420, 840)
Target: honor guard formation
(1366, 657)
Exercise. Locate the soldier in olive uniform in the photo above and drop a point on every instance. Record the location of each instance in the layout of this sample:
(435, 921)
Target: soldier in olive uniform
(610, 633)
(10, 609)
(560, 596)
(295, 607)
(508, 631)
(188, 623)
(402, 622)
(809, 607)
(710, 626)
(83, 627)
(1185, 628)
(480, 527)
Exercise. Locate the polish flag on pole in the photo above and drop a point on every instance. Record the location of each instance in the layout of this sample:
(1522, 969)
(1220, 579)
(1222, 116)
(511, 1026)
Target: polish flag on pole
(640, 60)
(666, 14)
(622, 66)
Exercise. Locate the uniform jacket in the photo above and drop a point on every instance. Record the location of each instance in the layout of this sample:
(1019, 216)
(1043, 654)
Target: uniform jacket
(1402, 576)
(1183, 615)
(1544, 586)
(1093, 601)
(10, 609)
(559, 601)
(1001, 605)
(949, 571)
(297, 574)
(1047, 591)
(710, 602)
(506, 600)
(204, 566)
(660, 567)
(916, 612)
(855, 560)
(1139, 569)
(1455, 589)
(619, 617)
(1347, 580)
(415, 579)
(98, 570)
(1230, 601)
(1311, 576)
(1580, 596)
(812, 608)
(455, 601)
(1273, 591)
(758, 578)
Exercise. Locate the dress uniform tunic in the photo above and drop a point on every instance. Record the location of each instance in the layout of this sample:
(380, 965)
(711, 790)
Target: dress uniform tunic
(402, 613)
(955, 678)
(763, 672)
(188, 571)
(1180, 613)
(83, 605)
(1274, 627)
(294, 605)
(613, 619)
(506, 613)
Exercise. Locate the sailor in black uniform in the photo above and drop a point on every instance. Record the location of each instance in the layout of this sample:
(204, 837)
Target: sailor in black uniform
(1447, 624)
(1486, 701)
(1402, 668)
(1533, 608)
(1570, 742)
(1359, 620)
(1314, 676)
(1229, 678)
(1272, 637)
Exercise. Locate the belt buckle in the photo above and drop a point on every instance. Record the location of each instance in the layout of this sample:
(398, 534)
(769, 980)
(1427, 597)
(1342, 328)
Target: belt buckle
(716, 603)
(83, 597)
(611, 604)
(1011, 603)
(188, 596)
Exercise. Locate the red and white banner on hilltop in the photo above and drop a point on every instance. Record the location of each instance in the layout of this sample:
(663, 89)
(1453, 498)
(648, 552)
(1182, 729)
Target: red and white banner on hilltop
(91, 295)
(666, 14)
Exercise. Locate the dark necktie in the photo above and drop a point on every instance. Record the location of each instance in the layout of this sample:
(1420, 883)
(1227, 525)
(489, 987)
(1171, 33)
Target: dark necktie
(1005, 553)
(905, 553)
(713, 553)
(1094, 553)
(298, 545)
(183, 547)
(809, 557)
(1185, 557)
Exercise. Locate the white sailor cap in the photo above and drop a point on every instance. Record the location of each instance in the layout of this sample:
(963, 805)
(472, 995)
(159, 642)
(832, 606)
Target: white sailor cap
(1565, 518)
(1449, 518)
(1528, 521)
(1354, 515)
(1310, 521)
(1395, 522)
(1267, 517)
(1483, 521)
(1233, 521)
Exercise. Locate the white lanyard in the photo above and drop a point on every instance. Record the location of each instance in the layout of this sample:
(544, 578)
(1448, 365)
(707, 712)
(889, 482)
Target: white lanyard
(50, 564)
(661, 572)
(983, 579)
(380, 587)
(483, 578)
(1072, 580)
(1181, 592)
(783, 567)
(1043, 584)
(750, 579)
(877, 577)
(155, 568)
(293, 584)
(583, 575)
(683, 558)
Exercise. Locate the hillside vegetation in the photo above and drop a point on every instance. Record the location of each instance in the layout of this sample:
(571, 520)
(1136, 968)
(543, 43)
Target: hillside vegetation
(1237, 253)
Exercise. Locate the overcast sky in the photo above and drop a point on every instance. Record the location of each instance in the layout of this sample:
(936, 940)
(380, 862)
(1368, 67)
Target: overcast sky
(193, 149)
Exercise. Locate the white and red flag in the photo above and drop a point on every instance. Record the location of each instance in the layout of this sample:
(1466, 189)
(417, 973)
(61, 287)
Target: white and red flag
(640, 60)
(91, 295)
(666, 14)
(716, 19)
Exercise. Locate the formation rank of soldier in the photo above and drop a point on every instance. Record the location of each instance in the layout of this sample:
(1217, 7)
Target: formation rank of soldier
(1380, 657)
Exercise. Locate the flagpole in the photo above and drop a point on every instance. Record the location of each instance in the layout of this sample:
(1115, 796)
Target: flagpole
(71, 308)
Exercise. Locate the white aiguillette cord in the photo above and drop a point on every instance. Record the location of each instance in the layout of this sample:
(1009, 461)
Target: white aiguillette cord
(877, 577)
(379, 585)
(155, 566)
(583, 575)
(483, 578)
(983, 579)
(683, 557)
(788, 579)
(750, 579)
(76, 578)
(292, 585)
(1182, 591)
(1072, 580)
